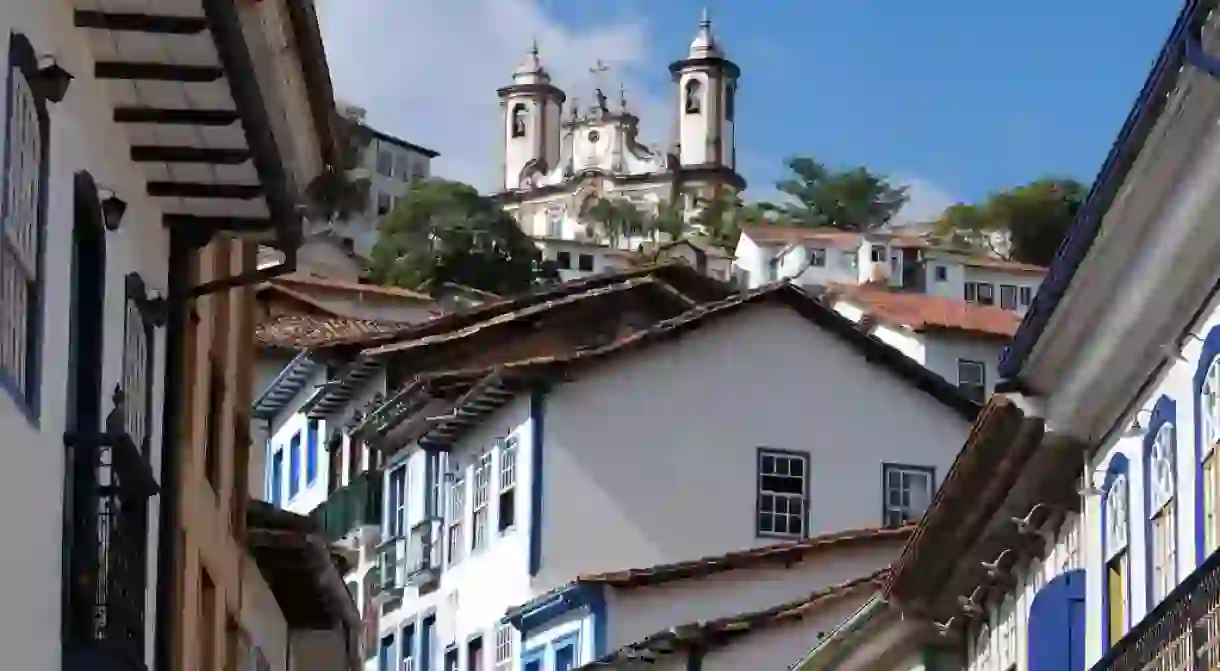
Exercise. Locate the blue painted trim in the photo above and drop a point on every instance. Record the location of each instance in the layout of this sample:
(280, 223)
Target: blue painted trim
(537, 432)
(1211, 349)
(1164, 411)
(1079, 237)
(571, 640)
(299, 361)
(1119, 465)
(537, 614)
(22, 56)
(601, 622)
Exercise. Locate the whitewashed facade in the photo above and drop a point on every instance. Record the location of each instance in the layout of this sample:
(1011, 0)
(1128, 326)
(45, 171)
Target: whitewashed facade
(1006, 284)
(554, 484)
(557, 164)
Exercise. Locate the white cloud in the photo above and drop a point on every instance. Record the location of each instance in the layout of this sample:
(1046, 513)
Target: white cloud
(428, 70)
(925, 202)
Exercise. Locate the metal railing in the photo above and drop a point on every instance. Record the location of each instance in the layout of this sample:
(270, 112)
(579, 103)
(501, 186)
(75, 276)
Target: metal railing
(1181, 634)
(354, 506)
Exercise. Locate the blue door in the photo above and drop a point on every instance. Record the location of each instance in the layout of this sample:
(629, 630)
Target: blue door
(1056, 625)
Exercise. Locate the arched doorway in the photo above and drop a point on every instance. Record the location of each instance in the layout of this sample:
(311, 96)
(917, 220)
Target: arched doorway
(1056, 625)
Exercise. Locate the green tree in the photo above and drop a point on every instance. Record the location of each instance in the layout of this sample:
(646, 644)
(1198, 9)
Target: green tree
(854, 199)
(615, 219)
(335, 194)
(720, 217)
(443, 231)
(1025, 223)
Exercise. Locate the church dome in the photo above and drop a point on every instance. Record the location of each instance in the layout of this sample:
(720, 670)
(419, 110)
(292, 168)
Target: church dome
(531, 71)
(704, 44)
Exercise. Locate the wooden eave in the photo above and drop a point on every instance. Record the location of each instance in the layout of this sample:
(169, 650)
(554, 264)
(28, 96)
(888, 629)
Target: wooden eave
(183, 87)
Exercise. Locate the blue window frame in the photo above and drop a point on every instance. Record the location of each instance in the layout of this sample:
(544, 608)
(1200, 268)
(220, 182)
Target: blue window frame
(451, 659)
(564, 655)
(23, 238)
(427, 643)
(1160, 502)
(406, 646)
(311, 451)
(294, 466)
(532, 659)
(385, 653)
(1116, 557)
(276, 486)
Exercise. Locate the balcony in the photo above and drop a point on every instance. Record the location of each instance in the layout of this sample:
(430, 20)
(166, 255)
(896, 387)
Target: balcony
(390, 569)
(357, 506)
(1182, 633)
(423, 561)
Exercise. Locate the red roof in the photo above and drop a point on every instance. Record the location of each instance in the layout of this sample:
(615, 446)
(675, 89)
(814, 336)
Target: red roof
(922, 312)
(786, 553)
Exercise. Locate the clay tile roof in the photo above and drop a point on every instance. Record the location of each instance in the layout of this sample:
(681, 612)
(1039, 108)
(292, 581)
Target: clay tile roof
(775, 234)
(301, 331)
(721, 631)
(786, 553)
(324, 283)
(1001, 264)
(922, 312)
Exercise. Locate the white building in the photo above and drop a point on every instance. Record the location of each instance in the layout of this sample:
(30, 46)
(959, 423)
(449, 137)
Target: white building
(959, 341)
(390, 164)
(503, 483)
(134, 136)
(1078, 529)
(896, 260)
(556, 164)
(755, 607)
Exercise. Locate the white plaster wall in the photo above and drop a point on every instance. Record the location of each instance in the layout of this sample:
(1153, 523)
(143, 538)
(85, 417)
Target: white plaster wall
(752, 258)
(997, 277)
(1177, 383)
(698, 410)
(942, 351)
(474, 593)
(953, 284)
(693, 129)
(838, 266)
(636, 613)
(82, 136)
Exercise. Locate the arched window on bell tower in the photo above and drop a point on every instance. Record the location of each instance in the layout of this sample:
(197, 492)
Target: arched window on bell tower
(518, 120)
(694, 97)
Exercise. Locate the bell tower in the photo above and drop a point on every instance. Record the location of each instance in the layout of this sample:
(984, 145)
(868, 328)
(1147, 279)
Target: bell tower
(706, 102)
(530, 109)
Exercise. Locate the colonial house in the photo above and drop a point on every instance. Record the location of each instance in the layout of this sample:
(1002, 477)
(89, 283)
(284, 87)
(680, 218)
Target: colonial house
(757, 607)
(505, 480)
(896, 260)
(960, 341)
(1076, 528)
(339, 366)
(145, 152)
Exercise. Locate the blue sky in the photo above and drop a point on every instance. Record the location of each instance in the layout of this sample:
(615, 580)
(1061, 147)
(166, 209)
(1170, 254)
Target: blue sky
(961, 97)
(970, 95)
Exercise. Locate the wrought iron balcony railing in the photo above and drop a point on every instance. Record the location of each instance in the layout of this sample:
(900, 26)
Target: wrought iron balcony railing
(355, 506)
(1181, 633)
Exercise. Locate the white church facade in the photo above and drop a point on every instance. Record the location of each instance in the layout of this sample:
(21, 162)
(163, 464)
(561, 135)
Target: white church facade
(559, 157)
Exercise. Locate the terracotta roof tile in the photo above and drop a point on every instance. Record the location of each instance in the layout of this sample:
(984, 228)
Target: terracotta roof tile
(922, 312)
(301, 331)
(307, 282)
(779, 553)
(722, 631)
(775, 234)
(1001, 264)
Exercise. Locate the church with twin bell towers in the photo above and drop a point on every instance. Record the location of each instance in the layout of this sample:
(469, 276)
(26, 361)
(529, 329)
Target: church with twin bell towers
(561, 156)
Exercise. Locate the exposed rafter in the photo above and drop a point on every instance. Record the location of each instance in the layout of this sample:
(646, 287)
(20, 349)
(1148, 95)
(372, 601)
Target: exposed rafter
(144, 23)
(193, 117)
(178, 154)
(166, 72)
(204, 190)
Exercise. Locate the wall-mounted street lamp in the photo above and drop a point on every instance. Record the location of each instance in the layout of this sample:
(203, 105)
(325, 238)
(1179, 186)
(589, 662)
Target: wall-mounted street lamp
(53, 79)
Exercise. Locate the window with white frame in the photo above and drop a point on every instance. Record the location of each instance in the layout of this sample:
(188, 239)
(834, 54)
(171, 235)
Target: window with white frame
(504, 647)
(457, 514)
(1008, 296)
(554, 222)
(1161, 512)
(877, 254)
(1026, 296)
(482, 487)
(20, 236)
(783, 482)
(506, 513)
(972, 379)
(908, 492)
(817, 256)
(1209, 412)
